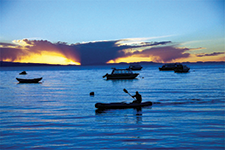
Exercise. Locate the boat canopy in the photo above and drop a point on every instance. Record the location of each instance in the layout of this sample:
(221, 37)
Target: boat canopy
(172, 65)
(122, 71)
(135, 65)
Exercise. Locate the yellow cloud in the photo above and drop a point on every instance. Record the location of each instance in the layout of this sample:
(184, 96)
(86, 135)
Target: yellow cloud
(46, 58)
(130, 59)
(138, 41)
(22, 43)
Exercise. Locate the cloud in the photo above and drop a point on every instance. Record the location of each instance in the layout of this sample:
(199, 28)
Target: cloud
(136, 42)
(162, 53)
(11, 54)
(198, 48)
(7, 44)
(103, 51)
(98, 52)
(211, 54)
(26, 48)
(139, 40)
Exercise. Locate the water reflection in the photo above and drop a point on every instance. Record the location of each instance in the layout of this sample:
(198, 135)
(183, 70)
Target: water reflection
(30, 83)
(137, 113)
(123, 80)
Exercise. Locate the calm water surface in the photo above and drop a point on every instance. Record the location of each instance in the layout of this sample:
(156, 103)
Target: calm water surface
(188, 110)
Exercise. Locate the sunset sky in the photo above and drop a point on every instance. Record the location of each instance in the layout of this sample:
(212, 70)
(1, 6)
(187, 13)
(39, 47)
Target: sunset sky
(85, 32)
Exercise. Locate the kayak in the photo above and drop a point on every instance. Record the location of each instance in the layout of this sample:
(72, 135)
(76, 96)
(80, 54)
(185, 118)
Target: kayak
(121, 105)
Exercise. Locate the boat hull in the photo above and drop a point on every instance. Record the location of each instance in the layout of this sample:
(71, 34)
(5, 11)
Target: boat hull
(184, 69)
(35, 80)
(181, 70)
(169, 67)
(122, 76)
(135, 69)
(166, 69)
(121, 105)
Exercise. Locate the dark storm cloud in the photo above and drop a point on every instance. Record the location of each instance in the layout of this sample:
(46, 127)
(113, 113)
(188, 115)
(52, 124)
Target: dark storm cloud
(211, 54)
(96, 52)
(103, 51)
(11, 53)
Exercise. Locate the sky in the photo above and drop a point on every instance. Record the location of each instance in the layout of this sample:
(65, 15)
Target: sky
(86, 32)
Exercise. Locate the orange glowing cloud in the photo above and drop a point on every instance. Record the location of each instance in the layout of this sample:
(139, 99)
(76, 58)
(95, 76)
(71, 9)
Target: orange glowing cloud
(46, 58)
(154, 58)
(130, 59)
(26, 51)
(195, 58)
(159, 54)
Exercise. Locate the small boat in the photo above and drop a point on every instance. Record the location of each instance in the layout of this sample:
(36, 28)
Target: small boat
(121, 74)
(35, 80)
(169, 67)
(181, 69)
(121, 105)
(135, 67)
(23, 73)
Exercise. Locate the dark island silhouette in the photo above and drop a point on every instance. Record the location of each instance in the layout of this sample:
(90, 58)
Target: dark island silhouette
(17, 64)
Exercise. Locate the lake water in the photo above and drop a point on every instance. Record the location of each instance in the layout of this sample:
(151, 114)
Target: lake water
(188, 110)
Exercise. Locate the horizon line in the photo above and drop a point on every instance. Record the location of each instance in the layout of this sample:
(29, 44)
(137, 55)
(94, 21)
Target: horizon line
(18, 64)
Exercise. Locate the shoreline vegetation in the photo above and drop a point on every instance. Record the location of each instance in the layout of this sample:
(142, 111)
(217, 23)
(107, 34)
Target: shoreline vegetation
(17, 64)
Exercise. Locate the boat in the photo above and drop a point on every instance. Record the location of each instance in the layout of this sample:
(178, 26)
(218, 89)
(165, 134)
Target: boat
(121, 74)
(135, 67)
(35, 80)
(122, 105)
(169, 67)
(182, 69)
(23, 73)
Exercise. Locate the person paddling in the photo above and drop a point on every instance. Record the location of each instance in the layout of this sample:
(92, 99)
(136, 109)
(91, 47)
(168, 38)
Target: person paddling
(138, 98)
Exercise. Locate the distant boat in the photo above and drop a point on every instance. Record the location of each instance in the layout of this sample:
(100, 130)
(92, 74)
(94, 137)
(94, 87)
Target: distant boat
(121, 74)
(23, 73)
(169, 67)
(121, 105)
(181, 69)
(135, 67)
(35, 80)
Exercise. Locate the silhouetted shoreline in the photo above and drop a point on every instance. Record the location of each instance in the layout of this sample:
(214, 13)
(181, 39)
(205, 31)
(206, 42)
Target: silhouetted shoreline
(17, 64)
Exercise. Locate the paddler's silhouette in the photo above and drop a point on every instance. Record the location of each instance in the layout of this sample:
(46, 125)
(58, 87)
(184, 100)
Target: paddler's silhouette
(138, 98)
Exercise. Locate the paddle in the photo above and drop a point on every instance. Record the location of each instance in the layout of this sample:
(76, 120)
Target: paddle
(105, 75)
(127, 92)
